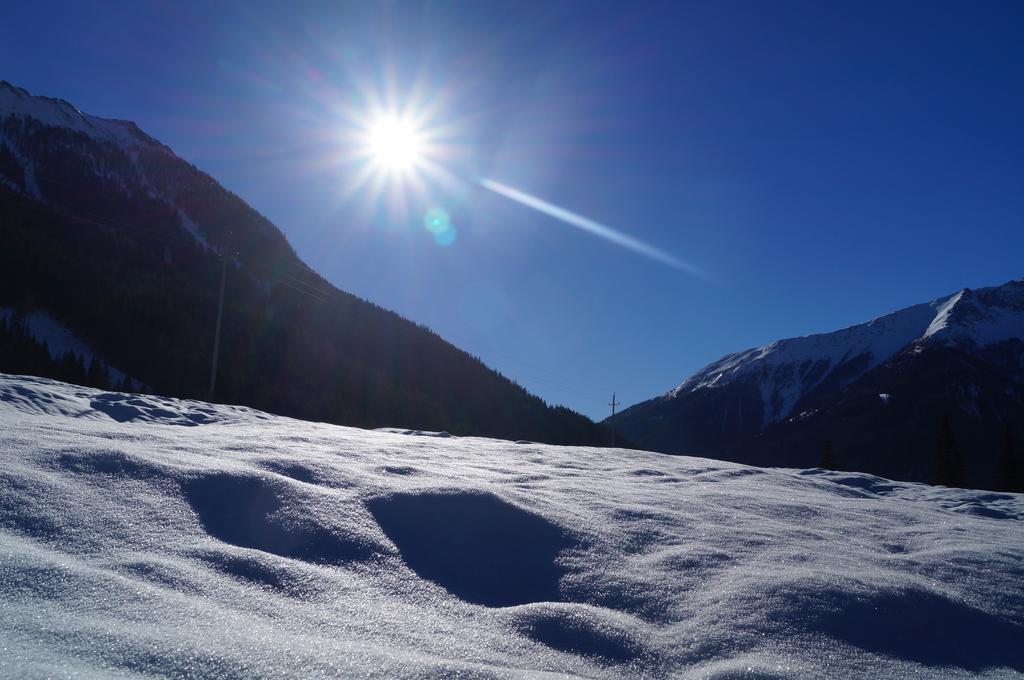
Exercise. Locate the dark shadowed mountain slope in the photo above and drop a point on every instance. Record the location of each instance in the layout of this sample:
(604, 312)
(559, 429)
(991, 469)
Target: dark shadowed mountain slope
(111, 233)
(877, 391)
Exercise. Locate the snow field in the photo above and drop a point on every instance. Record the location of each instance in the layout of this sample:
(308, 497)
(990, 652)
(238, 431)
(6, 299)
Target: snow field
(150, 536)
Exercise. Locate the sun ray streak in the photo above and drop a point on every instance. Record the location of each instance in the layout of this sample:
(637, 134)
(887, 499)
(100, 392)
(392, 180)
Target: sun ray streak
(596, 228)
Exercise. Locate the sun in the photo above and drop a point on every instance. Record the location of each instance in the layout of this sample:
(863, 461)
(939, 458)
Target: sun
(394, 144)
(401, 153)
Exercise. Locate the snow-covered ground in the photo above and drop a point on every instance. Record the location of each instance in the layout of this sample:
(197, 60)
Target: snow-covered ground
(141, 535)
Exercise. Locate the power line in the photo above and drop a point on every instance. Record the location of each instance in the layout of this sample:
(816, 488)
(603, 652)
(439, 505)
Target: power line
(110, 223)
(611, 421)
(105, 194)
(84, 218)
(220, 315)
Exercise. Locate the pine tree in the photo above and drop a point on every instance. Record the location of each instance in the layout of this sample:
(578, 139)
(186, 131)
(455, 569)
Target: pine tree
(45, 363)
(81, 375)
(948, 463)
(1010, 475)
(96, 375)
(67, 368)
(828, 460)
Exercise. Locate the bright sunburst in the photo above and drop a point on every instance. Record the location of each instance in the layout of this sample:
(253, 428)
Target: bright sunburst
(400, 149)
(394, 144)
(405, 156)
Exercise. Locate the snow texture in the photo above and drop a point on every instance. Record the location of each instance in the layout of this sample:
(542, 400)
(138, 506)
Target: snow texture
(150, 536)
(786, 370)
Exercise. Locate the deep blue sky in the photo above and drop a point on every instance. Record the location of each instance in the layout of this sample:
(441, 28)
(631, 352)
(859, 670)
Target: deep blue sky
(824, 163)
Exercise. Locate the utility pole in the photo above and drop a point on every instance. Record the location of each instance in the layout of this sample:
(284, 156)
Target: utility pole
(611, 421)
(220, 315)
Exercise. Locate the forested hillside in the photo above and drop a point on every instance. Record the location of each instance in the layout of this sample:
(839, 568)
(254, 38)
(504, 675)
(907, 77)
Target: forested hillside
(122, 242)
(894, 397)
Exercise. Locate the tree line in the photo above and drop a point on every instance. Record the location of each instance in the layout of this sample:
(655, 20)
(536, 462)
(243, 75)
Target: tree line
(948, 464)
(23, 354)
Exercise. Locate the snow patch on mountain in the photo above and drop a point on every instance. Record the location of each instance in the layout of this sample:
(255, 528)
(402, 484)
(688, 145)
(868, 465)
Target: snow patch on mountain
(47, 111)
(943, 315)
(158, 537)
(60, 339)
(980, 317)
(31, 185)
(193, 229)
(59, 113)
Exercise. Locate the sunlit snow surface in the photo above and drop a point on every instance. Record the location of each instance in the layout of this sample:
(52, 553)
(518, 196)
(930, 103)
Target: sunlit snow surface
(141, 535)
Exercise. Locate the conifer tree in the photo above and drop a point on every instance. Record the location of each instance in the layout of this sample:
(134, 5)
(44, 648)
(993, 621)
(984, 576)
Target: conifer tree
(1010, 475)
(47, 365)
(95, 376)
(948, 463)
(80, 371)
(828, 460)
(67, 368)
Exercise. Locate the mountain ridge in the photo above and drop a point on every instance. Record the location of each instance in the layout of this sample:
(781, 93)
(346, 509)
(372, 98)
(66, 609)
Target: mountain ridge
(15, 100)
(120, 239)
(749, 405)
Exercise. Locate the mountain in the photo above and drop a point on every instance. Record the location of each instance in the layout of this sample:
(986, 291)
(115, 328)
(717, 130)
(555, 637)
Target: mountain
(877, 391)
(143, 536)
(110, 234)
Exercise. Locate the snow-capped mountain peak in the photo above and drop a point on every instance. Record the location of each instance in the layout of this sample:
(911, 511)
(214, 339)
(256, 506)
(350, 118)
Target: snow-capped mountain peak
(16, 101)
(785, 370)
(980, 317)
(40, 136)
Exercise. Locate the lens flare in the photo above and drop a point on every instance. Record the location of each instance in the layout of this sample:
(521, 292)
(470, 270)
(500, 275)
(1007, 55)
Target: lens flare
(436, 220)
(590, 226)
(445, 238)
(439, 223)
(405, 156)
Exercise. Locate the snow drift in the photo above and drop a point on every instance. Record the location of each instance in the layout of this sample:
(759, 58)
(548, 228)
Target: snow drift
(141, 535)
